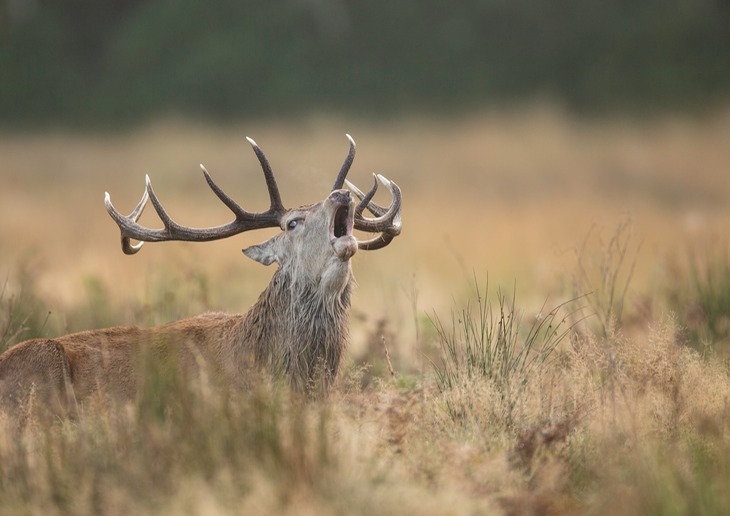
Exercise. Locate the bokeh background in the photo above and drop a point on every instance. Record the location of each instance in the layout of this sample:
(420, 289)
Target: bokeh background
(120, 61)
(523, 134)
(568, 153)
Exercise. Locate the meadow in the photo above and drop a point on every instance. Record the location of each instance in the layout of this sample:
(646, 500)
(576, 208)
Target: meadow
(550, 334)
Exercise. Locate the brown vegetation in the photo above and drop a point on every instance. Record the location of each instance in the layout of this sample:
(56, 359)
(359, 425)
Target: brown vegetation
(629, 413)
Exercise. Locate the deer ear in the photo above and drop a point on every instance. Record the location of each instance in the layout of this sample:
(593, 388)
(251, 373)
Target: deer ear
(264, 253)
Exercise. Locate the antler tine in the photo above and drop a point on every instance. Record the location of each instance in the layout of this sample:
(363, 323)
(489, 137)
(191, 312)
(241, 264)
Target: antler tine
(244, 220)
(232, 205)
(170, 225)
(378, 242)
(125, 222)
(276, 204)
(366, 199)
(346, 165)
(387, 221)
(384, 221)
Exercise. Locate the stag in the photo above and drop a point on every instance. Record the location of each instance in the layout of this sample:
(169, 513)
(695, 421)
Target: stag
(297, 330)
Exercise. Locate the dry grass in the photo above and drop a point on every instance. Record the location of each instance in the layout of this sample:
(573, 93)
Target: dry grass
(511, 195)
(622, 417)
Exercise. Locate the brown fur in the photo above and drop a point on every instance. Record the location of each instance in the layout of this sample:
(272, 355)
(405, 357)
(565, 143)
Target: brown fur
(297, 330)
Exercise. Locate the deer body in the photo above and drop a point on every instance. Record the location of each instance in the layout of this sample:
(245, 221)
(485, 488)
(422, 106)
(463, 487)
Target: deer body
(297, 330)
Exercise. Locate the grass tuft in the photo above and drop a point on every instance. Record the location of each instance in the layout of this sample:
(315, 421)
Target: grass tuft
(490, 342)
(605, 275)
(710, 285)
(20, 315)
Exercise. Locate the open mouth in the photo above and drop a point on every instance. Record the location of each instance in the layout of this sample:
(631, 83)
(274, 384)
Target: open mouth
(342, 222)
(343, 242)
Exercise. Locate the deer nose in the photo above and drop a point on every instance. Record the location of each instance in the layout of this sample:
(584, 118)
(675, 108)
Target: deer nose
(341, 196)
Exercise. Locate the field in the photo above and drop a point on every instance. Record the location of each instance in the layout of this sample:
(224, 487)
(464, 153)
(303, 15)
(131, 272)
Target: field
(463, 392)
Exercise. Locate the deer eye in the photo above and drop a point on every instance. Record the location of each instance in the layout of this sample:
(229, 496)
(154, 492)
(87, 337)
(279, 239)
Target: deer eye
(293, 223)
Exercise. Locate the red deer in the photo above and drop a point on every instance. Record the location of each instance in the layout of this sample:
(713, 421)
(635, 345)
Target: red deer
(297, 330)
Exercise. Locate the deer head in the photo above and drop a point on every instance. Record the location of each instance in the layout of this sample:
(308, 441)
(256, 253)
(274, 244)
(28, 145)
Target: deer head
(316, 240)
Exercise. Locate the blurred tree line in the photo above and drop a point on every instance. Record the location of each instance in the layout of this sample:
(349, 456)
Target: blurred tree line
(97, 61)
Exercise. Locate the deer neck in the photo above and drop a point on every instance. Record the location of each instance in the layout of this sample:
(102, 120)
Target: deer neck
(298, 327)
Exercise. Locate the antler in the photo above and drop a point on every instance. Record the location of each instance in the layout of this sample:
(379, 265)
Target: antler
(244, 221)
(345, 166)
(387, 221)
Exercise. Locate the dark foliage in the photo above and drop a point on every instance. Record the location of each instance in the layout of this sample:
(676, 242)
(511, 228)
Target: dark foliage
(83, 61)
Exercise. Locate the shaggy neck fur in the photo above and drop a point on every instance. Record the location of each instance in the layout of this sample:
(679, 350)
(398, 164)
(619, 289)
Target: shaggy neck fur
(298, 328)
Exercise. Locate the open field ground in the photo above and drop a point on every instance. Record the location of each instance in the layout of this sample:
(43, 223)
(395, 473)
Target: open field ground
(630, 412)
